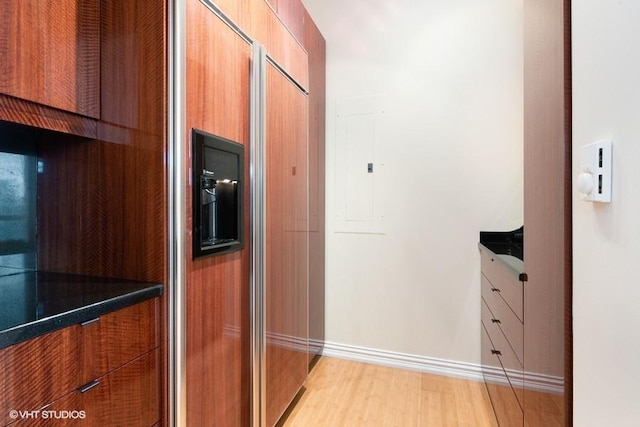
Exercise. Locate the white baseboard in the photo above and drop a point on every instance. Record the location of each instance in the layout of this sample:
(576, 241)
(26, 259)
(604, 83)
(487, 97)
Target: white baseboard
(316, 346)
(404, 361)
(430, 365)
(543, 383)
(288, 342)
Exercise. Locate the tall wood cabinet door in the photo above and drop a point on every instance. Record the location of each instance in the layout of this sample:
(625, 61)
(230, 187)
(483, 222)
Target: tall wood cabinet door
(286, 288)
(51, 53)
(316, 49)
(217, 353)
(546, 238)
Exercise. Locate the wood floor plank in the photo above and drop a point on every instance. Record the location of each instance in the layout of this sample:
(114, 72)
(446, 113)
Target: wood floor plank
(346, 393)
(403, 404)
(377, 396)
(438, 409)
(474, 406)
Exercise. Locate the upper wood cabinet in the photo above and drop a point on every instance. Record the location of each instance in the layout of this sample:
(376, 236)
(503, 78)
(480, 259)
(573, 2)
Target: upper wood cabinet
(281, 45)
(51, 53)
(292, 13)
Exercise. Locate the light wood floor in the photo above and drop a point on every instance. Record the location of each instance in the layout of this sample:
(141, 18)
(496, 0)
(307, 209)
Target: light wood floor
(342, 393)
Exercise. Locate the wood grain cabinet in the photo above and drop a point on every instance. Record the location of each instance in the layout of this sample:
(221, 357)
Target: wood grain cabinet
(107, 368)
(502, 337)
(217, 299)
(218, 310)
(547, 212)
(51, 53)
(286, 288)
(315, 45)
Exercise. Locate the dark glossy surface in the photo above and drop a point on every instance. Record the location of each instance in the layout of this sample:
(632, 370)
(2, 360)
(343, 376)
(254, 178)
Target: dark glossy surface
(18, 165)
(35, 303)
(504, 242)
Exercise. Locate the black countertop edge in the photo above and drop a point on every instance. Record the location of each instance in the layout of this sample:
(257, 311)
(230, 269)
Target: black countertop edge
(27, 331)
(505, 242)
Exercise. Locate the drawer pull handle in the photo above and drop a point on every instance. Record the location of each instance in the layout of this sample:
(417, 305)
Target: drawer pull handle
(88, 322)
(495, 321)
(496, 352)
(495, 290)
(85, 388)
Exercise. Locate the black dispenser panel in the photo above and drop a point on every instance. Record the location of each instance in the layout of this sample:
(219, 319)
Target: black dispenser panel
(218, 182)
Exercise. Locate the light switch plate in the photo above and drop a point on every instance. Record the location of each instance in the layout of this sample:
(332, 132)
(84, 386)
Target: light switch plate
(594, 179)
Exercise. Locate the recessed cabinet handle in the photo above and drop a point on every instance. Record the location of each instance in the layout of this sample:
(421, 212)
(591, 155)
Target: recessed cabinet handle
(90, 321)
(85, 388)
(495, 290)
(496, 352)
(495, 321)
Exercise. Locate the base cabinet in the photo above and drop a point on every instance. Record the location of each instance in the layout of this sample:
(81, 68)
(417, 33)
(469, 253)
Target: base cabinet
(506, 406)
(127, 396)
(502, 338)
(61, 379)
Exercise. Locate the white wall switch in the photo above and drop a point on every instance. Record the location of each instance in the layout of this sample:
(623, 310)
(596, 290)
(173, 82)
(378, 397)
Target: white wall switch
(594, 179)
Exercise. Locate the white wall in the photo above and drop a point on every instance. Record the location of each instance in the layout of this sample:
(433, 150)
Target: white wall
(451, 72)
(606, 238)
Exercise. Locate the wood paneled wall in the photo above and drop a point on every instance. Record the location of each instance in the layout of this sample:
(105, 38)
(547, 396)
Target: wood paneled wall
(546, 243)
(102, 203)
(217, 309)
(316, 49)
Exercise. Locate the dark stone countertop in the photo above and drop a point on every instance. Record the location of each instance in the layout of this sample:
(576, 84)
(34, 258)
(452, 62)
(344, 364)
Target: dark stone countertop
(34, 303)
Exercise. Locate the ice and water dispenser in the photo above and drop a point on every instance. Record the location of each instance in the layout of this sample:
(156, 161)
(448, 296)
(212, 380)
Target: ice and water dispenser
(217, 179)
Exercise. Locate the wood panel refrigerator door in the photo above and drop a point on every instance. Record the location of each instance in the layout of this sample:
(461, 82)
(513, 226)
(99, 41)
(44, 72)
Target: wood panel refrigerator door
(286, 286)
(217, 346)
